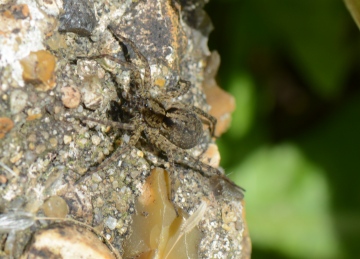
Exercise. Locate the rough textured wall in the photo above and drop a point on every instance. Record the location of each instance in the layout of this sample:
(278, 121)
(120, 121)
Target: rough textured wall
(46, 84)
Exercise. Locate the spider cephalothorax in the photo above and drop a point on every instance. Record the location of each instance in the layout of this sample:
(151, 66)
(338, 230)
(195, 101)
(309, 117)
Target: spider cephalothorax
(167, 124)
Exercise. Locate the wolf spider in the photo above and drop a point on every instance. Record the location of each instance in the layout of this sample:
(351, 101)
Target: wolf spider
(171, 126)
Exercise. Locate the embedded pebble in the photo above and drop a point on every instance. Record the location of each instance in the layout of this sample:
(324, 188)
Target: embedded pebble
(38, 68)
(18, 101)
(140, 153)
(95, 140)
(80, 109)
(32, 138)
(115, 184)
(71, 96)
(228, 215)
(99, 202)
(96, 178)
(40, 148)
(31, 146)
(111, 223)
(16, 157)
(6, 125)
(53, 142)
(3, 179)
(67, 139)
(56, 207)
(29, 156)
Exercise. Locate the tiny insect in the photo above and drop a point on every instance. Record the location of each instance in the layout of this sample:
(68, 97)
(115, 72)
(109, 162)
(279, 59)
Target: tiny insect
(168, 124)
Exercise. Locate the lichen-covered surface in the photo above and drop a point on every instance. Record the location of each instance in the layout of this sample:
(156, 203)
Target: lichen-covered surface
(44, 148)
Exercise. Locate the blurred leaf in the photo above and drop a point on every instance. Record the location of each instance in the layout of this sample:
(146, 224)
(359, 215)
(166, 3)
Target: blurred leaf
(354, 8)
(287, 203)
(242, 88)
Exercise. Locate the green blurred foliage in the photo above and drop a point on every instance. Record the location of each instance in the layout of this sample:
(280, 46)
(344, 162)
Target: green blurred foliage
(293, 68)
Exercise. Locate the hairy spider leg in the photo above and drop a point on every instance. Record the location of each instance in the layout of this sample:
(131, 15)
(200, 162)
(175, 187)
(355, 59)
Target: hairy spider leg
(114, 124)
(209, 119)
(125, 64)
(159, 142)
(147, 75)
(137, 128)
(180, 90)
(169, 148)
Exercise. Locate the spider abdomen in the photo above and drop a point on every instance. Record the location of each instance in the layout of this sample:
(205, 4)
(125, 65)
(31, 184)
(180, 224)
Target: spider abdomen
(182, 128)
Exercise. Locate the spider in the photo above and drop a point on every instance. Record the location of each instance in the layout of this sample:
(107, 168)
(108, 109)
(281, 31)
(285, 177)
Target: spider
(169, 125)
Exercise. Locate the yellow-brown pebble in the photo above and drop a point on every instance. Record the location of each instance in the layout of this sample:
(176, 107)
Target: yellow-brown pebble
(6, 124)
(55, 206)
(16, 157)
(39, 68)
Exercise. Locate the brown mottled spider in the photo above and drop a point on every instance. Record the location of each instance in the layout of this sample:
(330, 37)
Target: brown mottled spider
(169, 125)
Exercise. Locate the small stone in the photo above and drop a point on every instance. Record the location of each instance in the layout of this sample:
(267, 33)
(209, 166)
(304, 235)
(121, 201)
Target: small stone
(67, 139)
(39, 69)
(29, 156)
(111, 223)
(3, 179)
(40, 148)
(95, 140)
(53, 142)
(57, 109)
(115, 184)
(6, 124)
(90, 95)
(71, 96)
(228, 215)
(78, 17)
(18, 99)
(126, 138)
(140, 153)
(80, 109)
(17, 12)
(96, 178)
(31, 137)
(160, 82)
(56, 207)
(226, 227)
(16, 158)
(82, 142)
(31, 146)
(33, 117)
(99, 202)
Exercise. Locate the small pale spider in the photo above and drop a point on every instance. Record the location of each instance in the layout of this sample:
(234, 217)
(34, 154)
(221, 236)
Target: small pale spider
(169, 125)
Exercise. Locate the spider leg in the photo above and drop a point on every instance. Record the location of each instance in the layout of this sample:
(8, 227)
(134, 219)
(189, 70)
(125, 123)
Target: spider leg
(209, 119)
(158, 141)
(116, 155)
(184, 158)
(125, 64)
(147, 75)
(182, 87)
(205, 117)
(114, 124)
(135, 79)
